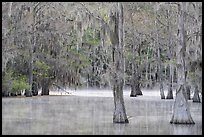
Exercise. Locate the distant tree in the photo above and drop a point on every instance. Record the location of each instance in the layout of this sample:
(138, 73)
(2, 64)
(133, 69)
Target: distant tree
(159, 50)
(135, 80)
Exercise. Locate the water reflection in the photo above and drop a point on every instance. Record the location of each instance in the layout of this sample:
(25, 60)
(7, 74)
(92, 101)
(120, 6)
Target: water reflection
(179, 129)
(93, 115)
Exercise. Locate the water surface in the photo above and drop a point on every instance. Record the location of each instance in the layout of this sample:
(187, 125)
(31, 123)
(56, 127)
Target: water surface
(91, 112)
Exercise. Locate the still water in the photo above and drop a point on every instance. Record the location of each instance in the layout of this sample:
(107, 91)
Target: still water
(90, 113)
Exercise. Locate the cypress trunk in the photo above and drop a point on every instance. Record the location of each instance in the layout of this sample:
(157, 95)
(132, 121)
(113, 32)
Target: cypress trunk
(170, 91)
(160, 78)
(45, 87)
(181, 112)
(5, 94)
(135, 85)
(119, 115)
(28, 93)
(159, 59)
(35, 89)
(35, 86)
(188, 92)
(196, 97)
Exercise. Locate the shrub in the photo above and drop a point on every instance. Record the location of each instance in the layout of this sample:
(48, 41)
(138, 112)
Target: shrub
(19, 85)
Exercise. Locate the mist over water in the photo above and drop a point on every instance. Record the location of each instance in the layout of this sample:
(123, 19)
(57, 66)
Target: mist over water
(91, 112)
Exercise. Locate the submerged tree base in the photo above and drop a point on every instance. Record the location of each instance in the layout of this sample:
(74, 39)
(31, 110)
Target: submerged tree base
(196, 97)
(139, 93)
(133, 95)
(181, 114)
(119, 115)
(196, 100)
(182, 122)
(162, 97)
(170, 94)
(28, 93)
(136, 93)
(121, 122)
(120, 118)
(169, 97)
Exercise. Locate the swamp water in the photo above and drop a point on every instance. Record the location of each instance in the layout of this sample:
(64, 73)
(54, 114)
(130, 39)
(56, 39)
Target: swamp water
(90, 112)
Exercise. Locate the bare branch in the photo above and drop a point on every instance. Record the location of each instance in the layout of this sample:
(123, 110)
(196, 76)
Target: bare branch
(36, 6)
(173, 3)
(88, 11)
(47, 4)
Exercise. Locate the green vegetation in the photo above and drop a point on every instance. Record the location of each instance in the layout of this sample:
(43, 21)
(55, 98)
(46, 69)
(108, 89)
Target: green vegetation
(91, 37)
(19, 85)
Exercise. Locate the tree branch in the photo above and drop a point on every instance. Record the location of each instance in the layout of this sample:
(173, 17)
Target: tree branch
(161, 22)
(173, 3)
(98, 18)
(42, 7)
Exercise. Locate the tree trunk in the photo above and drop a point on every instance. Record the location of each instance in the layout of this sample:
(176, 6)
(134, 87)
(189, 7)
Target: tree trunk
(35, 86)
(28, 93)
(159, 55)
(45, 86)
(119, 115)
(5, 94)
(188, 92)
(146, 74)
(170, 55)
(35, 89)
(133, 79)
(159, 59)
(196, 97)
(181, 112)
(150, 76)
(170, 91)
(135, 85)
(160, 77)
(32, 44)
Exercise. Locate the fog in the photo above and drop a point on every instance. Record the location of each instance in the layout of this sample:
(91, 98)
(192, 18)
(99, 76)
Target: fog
(90, 112)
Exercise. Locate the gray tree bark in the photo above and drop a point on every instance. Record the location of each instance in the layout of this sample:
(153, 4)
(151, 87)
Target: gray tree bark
(170, 86)
(188, 92)
(119, 115)
(181, 112)
(45, 86)
(35, 86)
(32, 44)
(146, 70)
(159, 59)
(160, 77)
(135, 84)
(196, 97)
